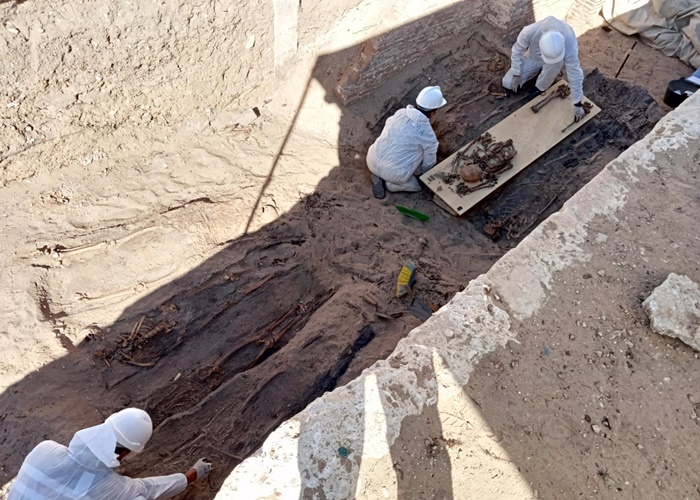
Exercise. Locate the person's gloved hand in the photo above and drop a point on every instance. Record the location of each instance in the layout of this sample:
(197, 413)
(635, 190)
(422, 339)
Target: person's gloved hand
(515, 86)
(579, 112)
(202, 468)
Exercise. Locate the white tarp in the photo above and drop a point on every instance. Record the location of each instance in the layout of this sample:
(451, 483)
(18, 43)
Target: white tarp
(672, 26)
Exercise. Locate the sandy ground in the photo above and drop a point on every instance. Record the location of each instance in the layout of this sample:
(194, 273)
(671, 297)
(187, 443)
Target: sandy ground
(590, 403)
(157, 255)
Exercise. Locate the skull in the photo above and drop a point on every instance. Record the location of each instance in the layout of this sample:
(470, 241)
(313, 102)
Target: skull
(471, 172)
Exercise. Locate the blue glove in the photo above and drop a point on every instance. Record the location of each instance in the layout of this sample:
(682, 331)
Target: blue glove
(579, 112)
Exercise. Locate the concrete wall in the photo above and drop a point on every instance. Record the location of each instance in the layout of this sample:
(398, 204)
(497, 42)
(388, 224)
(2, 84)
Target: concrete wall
(393, 403)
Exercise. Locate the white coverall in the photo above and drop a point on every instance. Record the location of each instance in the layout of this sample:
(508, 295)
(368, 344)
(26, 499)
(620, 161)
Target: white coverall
(526, 59)
(406, 147)
(53, 472)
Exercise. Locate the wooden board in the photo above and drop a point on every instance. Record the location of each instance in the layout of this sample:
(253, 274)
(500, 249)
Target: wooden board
(533, 134)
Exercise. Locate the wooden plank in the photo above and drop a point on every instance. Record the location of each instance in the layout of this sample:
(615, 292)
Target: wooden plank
(443, 205)
(533, 134)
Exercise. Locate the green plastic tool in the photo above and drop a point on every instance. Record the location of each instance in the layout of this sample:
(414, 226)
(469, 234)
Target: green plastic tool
(412, 213)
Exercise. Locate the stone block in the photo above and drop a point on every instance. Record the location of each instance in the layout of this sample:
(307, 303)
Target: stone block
(674, 309)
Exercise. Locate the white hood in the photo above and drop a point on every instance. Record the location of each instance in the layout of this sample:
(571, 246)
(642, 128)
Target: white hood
(94, 446)
(415, 115)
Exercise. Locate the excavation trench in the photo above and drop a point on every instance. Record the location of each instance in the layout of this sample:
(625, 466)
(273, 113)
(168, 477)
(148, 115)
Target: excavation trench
(224, 355)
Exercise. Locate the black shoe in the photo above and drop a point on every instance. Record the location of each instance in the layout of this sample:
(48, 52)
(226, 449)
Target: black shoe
(509, 92)
(378, 187)
(535, 92)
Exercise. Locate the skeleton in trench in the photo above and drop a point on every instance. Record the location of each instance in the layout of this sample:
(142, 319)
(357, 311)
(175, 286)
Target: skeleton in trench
(481, 163)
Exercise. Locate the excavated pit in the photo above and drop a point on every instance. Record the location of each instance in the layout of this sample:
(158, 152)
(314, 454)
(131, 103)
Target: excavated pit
(224, 354)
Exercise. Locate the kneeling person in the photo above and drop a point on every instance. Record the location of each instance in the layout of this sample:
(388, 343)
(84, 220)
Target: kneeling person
(545, 47)
(84, 469)
(407, 146)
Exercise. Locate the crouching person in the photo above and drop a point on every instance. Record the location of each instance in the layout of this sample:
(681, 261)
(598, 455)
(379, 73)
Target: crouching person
(83, 470)
(407, 147)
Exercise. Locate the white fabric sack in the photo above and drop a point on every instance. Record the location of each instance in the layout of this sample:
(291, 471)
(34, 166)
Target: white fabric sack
(672, 26)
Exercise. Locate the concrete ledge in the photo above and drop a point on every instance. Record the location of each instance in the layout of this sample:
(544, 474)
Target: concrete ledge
(346, 444)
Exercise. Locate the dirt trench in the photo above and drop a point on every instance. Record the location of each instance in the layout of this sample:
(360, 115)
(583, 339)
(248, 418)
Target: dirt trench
(226, 353)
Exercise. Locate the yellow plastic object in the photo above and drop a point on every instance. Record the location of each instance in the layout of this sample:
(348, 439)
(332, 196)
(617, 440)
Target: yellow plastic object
(407, 277)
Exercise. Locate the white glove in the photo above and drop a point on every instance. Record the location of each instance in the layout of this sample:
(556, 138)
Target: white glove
(515, 86)
(202, 468)
(579, 113)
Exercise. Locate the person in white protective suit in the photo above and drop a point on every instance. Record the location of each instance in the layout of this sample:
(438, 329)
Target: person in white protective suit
(83, 470)
(407, 146)
(545, 47)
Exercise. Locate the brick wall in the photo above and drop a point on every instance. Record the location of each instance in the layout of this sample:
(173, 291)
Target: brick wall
(512, 15)
(583, 14)
(368, 65)
(509, 15)
(379, 58)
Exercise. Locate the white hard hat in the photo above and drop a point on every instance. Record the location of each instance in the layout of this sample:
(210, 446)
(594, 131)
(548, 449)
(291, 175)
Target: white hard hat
(430, 98)
(552, 47)
(132, 428)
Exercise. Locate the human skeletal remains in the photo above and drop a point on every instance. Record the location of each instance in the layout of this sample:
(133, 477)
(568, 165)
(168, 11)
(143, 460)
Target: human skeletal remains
(480, 164)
